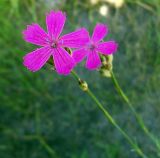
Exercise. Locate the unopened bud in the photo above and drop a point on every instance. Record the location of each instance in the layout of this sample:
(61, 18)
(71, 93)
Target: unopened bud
(107, 62)
(106, 65)
(83, 85)
(105, 73)
(109, 58)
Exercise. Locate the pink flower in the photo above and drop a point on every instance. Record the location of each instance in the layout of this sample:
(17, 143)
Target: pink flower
(92, 49)
(52, 44)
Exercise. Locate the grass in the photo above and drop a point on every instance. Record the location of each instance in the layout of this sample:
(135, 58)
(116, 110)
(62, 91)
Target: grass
(49, 106)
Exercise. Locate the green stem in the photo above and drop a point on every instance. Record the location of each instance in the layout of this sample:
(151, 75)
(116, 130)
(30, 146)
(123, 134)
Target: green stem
(138, 117)
(39, 137)
(75, 75)
(47, 147)
(110, 118)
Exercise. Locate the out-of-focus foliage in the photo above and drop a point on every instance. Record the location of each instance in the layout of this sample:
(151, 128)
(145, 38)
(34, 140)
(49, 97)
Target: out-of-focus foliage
(46, 115)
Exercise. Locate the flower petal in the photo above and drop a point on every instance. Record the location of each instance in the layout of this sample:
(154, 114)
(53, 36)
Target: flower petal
(100, 31)
(79, 55)
(75, 39)
(36, 35)
(107, 48)
(55, 22)
(64, 63)
(36, 59)
(93, 60)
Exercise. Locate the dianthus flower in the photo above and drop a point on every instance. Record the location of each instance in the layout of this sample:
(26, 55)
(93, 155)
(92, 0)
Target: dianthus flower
(95, 46)
(52, 44)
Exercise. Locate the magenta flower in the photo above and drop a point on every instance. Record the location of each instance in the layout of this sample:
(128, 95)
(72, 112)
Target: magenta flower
(52, 44)
(92, 49)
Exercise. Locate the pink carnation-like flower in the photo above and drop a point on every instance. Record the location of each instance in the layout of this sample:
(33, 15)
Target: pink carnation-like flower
(52, 44)
(92, 49)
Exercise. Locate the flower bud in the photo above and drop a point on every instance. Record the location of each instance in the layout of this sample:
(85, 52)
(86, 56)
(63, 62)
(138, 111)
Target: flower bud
(109, 58)
(83, 85)
(105, 73)
(106, 65)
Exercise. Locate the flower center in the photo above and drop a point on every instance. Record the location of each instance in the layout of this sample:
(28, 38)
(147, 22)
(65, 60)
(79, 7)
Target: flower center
(54, 44)
(92, 47)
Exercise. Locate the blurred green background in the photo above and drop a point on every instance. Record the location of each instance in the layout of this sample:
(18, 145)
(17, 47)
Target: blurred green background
(44, 115)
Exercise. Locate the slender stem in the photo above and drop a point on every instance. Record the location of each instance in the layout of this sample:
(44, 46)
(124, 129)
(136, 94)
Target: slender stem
(9, 132)
(47, 147)
(138, 117)
(39, 136)
(75, 75)
(111, 119)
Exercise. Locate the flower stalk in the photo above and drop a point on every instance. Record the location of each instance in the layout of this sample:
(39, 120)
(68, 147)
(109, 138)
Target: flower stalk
(107, 115)
(138, 117)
